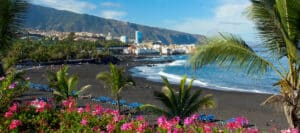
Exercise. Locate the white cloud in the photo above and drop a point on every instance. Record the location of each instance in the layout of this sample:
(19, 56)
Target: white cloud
(228, 17)
(110, 4)
(70, 5)
(111, 14)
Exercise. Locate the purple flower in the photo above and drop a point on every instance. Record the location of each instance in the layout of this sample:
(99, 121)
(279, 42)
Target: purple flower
(2, 78)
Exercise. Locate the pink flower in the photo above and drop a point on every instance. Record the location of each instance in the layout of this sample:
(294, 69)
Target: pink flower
(87, 107)
(237, 122)
(161, 121)
(127, 126)
(14, 124)
(69, 104)
(13, 108)
(12, 86)
(194, 116)
(27, 78)
(98, 110)
(291, 130)
(115, 112)
(39, 105)
(175, 120)
(96, 129)
(110, 128)
(188, 121)
(233, 125)
(178, 130)
(252, 130)
(2, 78)
(80, 110)
(84, 122)
(207, 129)
(140, 118)
(8, 114)
(142, 127)
(242, 120)
(117, 118)
(65, 103)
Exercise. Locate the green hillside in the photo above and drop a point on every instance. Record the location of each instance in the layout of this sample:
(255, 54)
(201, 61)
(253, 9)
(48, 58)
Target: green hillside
(45, 18)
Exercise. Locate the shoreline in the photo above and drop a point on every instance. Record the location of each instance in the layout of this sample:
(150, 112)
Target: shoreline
(229, 103)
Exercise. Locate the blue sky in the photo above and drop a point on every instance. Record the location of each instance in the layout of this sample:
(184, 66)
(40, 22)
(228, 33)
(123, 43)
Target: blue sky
(206, 17)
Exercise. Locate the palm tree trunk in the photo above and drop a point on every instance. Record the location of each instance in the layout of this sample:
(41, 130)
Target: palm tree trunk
(2, 73)
(291, 115)
(118, 103)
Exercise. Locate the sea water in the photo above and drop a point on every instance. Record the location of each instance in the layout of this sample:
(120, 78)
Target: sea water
(210, 76)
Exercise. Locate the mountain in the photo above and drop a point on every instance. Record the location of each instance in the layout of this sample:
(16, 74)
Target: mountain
(44, 18)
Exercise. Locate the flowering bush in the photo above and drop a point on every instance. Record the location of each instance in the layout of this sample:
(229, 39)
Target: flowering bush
(40, 116)
(11, 86)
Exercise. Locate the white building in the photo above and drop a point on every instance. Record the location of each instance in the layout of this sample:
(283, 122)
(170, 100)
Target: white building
(109, 36)
(145, 51)
(124, 39)
(165, 51)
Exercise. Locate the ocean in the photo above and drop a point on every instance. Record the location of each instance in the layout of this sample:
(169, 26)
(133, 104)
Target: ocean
(210, 76)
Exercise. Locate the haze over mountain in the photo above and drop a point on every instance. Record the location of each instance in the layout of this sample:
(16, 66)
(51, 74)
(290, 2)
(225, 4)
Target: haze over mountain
(44, 18)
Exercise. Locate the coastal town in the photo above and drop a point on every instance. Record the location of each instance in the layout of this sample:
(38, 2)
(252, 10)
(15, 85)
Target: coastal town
(134, 46)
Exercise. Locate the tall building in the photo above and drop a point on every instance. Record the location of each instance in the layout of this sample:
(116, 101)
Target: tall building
(124, 39)
(138, 37)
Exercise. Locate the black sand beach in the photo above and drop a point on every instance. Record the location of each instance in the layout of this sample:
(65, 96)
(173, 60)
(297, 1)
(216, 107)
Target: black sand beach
(229, 104)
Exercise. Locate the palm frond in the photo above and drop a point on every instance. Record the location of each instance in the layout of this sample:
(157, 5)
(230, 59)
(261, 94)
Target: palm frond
(55, 92)
(274, 99)
(206, 102)
(262, 13)
(128, 81)
(184, 102)
(12, 15)
(105, 77)
(231, 52)
(165, 100)
(64, 86)
(82, 89)
(277, 21)
(116, 80)
(194, 98)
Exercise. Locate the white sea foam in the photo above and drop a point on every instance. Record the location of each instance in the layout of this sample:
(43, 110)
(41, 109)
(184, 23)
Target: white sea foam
(177, 63)
(176, 79)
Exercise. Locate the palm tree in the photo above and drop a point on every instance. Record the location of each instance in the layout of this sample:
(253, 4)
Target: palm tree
(64, 86)
(278, 23)
(11, 18)
(116, 81)
(182, 103)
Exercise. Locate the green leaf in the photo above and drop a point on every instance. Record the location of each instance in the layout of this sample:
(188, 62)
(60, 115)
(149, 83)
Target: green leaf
(72, 83)
(232, 53)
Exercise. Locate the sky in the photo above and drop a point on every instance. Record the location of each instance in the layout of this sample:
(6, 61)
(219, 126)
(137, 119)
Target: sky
(206, 17)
